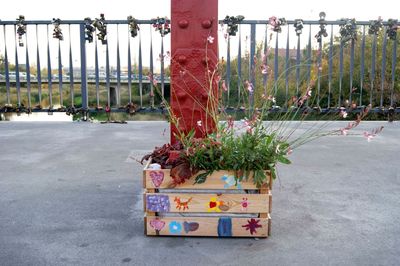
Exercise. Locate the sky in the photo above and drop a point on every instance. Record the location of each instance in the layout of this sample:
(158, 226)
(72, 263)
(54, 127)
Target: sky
(251, 9)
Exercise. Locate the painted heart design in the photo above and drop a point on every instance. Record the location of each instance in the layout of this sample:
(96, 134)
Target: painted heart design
(157, 224)
(157, 177)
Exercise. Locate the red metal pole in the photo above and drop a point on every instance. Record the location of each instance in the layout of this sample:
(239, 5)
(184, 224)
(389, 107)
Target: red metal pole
(194, 53)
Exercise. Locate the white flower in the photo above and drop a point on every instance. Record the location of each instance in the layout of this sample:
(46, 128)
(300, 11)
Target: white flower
(199, 123)
(210, 39)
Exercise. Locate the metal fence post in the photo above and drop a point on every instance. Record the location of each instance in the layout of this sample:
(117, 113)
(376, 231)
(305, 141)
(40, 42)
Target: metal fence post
(83, 70)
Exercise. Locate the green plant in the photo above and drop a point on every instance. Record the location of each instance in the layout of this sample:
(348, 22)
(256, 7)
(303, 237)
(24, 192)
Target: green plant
(251, 146)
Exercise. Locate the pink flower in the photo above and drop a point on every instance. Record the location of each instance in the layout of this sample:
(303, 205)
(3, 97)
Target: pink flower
(369, 136)
(344, 131)
(271, 98)
(199, 123)
(373, 133)
(224, 86)
(249, 129)
(210, 39)
(249, 86)
(264, 57)
(264, 69)
(273, 21)
(289, 151)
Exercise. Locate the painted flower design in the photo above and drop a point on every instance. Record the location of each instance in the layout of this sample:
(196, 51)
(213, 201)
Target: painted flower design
(175, 227)
(252, 225)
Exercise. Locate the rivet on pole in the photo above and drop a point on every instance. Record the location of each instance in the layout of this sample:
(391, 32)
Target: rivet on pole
(182, 59)
(206, 24)
(183, 23)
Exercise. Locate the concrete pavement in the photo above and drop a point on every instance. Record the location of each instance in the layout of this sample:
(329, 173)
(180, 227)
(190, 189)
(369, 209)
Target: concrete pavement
(71, 194)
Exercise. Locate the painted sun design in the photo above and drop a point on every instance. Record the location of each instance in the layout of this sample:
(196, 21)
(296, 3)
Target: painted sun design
(252, 225)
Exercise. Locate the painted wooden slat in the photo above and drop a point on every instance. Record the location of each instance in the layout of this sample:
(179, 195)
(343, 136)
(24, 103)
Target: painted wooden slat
(207, 226)
(217, 180)
(203, 203)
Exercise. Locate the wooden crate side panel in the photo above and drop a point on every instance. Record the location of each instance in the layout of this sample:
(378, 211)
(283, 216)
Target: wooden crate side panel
(207, 226)
(211, 203)
(217, 180)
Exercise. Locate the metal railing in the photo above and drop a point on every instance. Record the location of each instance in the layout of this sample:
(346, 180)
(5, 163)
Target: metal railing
(104, 83)
(346, 63)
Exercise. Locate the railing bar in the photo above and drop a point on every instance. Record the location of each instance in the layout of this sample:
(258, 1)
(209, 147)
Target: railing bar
(129, 68)
(330, 68)
(118, 71)
(228, 68)
(373, 69)
(72, 22)
(152, 76)
(394, 56)
(17, 80)
(276, 62)
(239, 62)
(383, 68)
(362, 69)
(49, 81)
(298, 66)
(340, 74)
(28, 71)
(96, 71)
(162, 66)
(83, 68)
(140, 72)
(71, 69)
(108, 76)
(60, 78)
(309, 59)
(319, 72)
(351, 71)
(265, 61)
(252, 64)
(306, 22)
(39, 72)
(287, 66)
(6, 69)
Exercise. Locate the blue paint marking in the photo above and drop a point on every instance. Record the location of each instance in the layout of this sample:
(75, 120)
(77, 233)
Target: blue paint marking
(225, 227)
(175, 227)
(230, 181)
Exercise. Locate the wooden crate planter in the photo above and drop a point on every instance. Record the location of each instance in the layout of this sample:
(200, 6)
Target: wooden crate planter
(205, 211)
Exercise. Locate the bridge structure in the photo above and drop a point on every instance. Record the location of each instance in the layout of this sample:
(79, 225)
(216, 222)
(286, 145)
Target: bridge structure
(347, 63)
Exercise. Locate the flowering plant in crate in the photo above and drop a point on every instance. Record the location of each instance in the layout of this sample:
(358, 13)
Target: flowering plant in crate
(249, 147)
